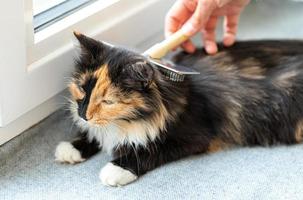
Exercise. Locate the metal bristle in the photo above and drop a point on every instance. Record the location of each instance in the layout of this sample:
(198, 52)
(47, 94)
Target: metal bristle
(173, 76)
(172, 71)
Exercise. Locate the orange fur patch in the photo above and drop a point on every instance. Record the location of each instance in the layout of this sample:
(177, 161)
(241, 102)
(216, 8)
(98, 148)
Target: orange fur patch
(253, 72)
(285, 80)
(77, 94)
(83, 77)
(98, 93)
(217, 144)
(232, 123)
(299, 131)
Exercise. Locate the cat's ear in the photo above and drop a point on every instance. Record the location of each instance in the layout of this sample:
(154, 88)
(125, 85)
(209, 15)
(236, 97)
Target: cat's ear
(140, 76)
(90, 46)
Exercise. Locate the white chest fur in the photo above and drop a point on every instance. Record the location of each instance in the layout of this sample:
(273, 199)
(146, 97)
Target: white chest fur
(135, 134)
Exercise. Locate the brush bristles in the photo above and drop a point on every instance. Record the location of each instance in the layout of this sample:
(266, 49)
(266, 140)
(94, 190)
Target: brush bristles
(172, 75)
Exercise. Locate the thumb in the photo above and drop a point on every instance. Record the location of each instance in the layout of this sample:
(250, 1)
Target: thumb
(199, 18)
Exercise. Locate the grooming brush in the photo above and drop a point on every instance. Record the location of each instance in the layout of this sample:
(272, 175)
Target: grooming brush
(169, 69)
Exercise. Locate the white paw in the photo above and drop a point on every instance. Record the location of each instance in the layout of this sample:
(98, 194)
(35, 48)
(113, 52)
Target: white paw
(112, 175)
(67, 153)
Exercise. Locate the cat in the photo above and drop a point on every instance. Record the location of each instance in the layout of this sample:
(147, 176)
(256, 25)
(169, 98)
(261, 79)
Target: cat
(246, 95)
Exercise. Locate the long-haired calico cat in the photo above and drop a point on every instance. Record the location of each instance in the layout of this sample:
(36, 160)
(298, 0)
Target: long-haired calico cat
(249, 94)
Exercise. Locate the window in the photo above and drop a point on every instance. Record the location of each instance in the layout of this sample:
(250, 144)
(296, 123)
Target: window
(48, 12)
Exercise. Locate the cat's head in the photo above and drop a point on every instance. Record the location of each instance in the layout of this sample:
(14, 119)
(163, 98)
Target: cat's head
(113, 85)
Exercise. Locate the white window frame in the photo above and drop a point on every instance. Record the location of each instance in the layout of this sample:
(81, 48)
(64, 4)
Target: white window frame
(33, 68)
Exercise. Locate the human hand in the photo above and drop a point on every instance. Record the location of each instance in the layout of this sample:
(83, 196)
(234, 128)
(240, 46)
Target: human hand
(193, 16)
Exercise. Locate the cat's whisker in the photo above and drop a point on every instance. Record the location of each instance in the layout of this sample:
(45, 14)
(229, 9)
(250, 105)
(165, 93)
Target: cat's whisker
(63, 107)
(68, 99)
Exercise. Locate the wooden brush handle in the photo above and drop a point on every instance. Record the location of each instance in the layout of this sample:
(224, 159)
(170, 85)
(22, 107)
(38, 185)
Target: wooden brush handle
(159, 50)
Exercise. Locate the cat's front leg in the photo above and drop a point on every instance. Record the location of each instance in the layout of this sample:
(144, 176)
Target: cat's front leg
(137, 161)
(76, 151)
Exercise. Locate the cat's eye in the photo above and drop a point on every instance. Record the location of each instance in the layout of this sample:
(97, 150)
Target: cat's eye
(108, 102)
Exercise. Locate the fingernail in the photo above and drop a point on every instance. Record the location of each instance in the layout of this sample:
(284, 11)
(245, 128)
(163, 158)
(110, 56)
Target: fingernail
(211, 49)
(228, 41)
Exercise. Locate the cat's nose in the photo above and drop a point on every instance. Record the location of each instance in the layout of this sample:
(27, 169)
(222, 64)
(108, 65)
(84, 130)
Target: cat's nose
(91, 112)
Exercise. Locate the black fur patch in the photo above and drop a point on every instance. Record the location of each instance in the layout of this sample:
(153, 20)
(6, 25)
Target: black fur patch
(86, 148)
(83, 103)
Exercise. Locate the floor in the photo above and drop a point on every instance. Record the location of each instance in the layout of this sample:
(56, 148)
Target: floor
(28, 170)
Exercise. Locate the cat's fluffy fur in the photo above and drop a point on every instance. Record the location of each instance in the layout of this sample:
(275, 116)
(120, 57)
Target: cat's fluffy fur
(248, 94)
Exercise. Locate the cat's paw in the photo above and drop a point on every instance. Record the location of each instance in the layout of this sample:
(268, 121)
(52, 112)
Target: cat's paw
(112, 175)
(67, 153)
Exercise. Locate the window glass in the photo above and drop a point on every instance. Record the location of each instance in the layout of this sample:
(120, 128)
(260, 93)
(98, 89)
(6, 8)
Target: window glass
(47, 12)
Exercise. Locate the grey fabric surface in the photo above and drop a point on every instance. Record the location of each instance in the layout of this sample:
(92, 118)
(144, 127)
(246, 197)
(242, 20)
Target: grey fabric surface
(29, 172)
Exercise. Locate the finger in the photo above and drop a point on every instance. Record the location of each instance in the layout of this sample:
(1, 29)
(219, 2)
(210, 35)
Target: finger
(230, 29)
(171, 25)
(176, 16)
(199, 18)
(188, 46)
(209, 36)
